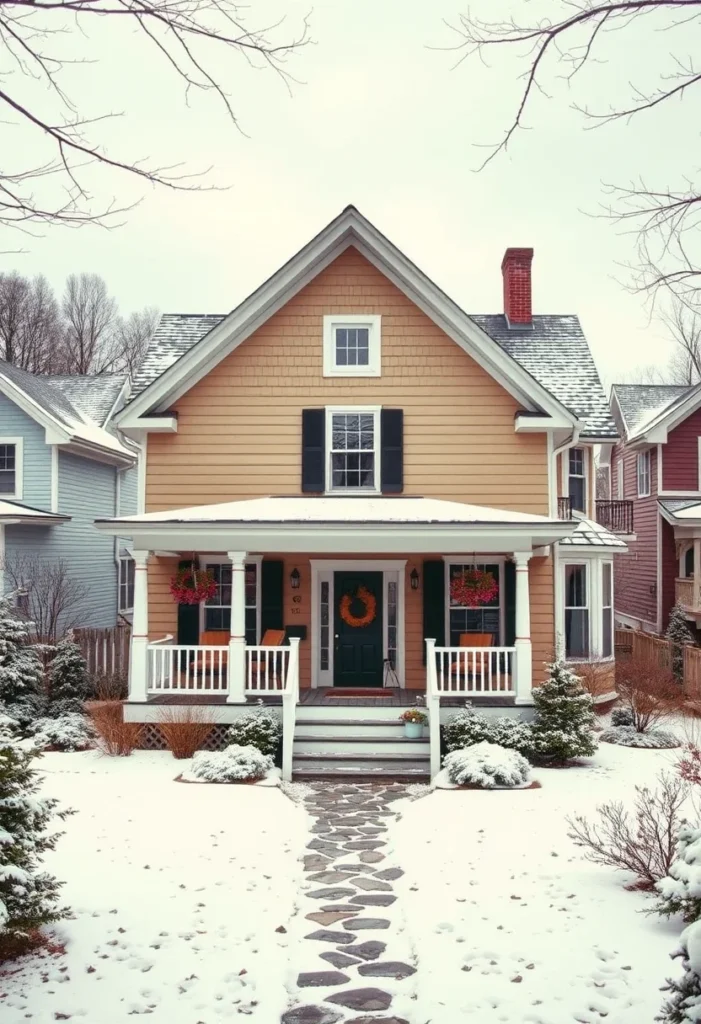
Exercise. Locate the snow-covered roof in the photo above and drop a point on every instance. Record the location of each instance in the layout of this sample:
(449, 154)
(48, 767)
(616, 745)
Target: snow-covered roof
(78, 406)
(15, 512)
(593, 535)
(640, 404)
(682, 510)
(554, 352)
(324, 510)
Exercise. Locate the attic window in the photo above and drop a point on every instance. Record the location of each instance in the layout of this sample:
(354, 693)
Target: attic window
(352, 346)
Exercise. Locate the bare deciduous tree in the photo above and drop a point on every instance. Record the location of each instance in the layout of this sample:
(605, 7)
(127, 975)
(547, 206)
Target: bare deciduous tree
(578, 34)
(684, 326)
(30, 329)
(55, 598)
(195, 40)
(131, 337)
(89, 314)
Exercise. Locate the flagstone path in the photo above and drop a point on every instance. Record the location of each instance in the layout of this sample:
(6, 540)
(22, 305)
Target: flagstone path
(356, 954)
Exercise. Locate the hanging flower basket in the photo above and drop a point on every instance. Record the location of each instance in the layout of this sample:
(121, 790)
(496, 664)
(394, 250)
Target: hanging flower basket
(191, 585)
(473, 588)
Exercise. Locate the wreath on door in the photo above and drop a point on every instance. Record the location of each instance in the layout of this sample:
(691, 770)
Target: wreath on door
(369, 601)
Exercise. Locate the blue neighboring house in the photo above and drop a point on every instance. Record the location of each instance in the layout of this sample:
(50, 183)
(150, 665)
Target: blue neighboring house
(62, 466)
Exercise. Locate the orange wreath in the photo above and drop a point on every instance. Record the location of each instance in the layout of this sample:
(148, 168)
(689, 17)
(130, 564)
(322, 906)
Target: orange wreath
(357, 621)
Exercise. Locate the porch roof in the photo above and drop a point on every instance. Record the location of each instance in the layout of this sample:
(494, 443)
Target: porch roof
(14, 512)
(320, 523)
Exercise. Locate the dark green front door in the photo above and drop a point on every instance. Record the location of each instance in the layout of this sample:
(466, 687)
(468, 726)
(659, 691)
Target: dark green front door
(357, 648)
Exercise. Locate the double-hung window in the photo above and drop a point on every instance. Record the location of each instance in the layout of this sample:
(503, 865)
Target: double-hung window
(606, 609)
(578, 480)
(126, 581)
(353, 450)
(620, 485)
(10, 467)
(485, 619)
(352, 346)
(576, 611)
(643, 474)
(217, 610)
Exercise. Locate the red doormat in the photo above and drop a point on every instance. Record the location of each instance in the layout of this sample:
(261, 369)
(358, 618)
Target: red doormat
(358, 693)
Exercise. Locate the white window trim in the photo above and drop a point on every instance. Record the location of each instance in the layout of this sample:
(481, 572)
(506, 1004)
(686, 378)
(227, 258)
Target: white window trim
(353, 410)
(585, 475)
(644, 456)
(18, 442)
(120, 560)
(473, 560)
(595, 605)
(393, 571)
(620, 479)
(217, 557)
(588, 593)
(698, 463)
(374, 325)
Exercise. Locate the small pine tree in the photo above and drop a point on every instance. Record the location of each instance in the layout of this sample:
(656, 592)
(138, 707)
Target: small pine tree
(680, 892)
(28, 895)
(69, 676)
(678, 634)
(684, 1002)
(563, 717)
(21, 675)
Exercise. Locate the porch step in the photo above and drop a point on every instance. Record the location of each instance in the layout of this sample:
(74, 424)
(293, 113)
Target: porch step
(369, 746)
(360, 769)
(342, 728)
(390, 756)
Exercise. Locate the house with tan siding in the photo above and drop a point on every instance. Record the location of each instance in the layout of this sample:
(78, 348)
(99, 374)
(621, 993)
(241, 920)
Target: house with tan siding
(334, 455)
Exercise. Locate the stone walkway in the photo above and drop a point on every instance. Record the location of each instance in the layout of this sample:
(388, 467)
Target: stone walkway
(352, 966)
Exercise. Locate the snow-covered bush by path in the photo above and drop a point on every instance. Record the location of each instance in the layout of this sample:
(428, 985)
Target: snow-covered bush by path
(68, 676)
(28, 895)
(563, 719)
(680, 890)
(260, 728)
(679, 635)
(69, 732)
(21, 674)
(234, 764)
(466, 728)
(487, 765)
(627, 736)
(622, 716)
(684, 1003)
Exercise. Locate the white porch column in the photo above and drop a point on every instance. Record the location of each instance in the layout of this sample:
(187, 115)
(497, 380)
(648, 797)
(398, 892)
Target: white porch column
(697, 572)
(524, 656)
(236, 667)
(138, 652)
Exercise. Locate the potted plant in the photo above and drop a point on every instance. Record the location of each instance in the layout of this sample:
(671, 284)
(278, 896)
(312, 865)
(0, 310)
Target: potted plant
(414, 722)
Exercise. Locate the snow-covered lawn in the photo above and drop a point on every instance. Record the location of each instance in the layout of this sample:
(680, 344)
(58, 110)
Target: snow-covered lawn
(177, 892)
(510, 924)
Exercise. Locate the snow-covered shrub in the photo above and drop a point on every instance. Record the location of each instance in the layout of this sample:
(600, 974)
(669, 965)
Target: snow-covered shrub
(684, 1003)
(260, 728)
(680, 890)
(627, 736)
(21, 674)
(563, 719)
(644, 843)
(28, 895)
(466, 728)
(65, 706)
(70, 732)
(28, 711)
(234, 764)
(679, 635)
(622, 716)
(68, 676)
(487, 765)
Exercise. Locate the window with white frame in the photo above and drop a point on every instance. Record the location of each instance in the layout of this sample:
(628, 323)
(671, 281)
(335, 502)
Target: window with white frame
(576, 611)
(620, 486)
(577, 479)
(352, 346)
(485, 619)
(643, 474)
(353, 440)
(606, 609)
(125, 568)
(217, 609)
(11, 467)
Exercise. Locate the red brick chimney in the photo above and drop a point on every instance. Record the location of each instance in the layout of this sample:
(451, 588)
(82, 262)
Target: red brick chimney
(516, 271)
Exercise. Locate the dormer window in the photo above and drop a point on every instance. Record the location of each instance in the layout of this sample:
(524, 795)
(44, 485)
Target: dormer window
(352, 346)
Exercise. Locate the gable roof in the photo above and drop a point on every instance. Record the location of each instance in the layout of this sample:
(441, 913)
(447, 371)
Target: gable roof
(77, 412)
(641, 404)
(176, 360)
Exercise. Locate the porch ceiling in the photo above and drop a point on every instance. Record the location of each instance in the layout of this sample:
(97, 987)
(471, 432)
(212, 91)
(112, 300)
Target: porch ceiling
(362, 524)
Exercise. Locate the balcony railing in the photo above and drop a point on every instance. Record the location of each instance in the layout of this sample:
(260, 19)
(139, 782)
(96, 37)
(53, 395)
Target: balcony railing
(564, 508)
(616, 516)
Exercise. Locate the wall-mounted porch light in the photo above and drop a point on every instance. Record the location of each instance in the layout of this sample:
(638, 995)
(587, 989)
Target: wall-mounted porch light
(414, 579)
(295, 579)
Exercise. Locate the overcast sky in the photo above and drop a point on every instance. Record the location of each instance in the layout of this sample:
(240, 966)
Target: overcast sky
(383, 120)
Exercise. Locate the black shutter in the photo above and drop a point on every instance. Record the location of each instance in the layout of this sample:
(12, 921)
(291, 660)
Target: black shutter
(313, 450)
(509, 604)
(188, 616)
(271, 577)
(392, 440)
(434, 602)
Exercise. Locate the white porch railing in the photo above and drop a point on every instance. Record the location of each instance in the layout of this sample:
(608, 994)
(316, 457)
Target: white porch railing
(177, 668)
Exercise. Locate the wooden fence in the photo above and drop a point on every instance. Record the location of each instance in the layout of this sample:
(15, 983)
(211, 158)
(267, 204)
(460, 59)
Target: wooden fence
(632, 643)
(106, 651)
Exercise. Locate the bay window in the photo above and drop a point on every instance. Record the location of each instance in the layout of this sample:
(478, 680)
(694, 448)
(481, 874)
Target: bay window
(587, 610)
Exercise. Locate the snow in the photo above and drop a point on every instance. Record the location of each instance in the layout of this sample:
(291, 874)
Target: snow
(177, 893)
(487, 765)
(233, 764)
(509, 922)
